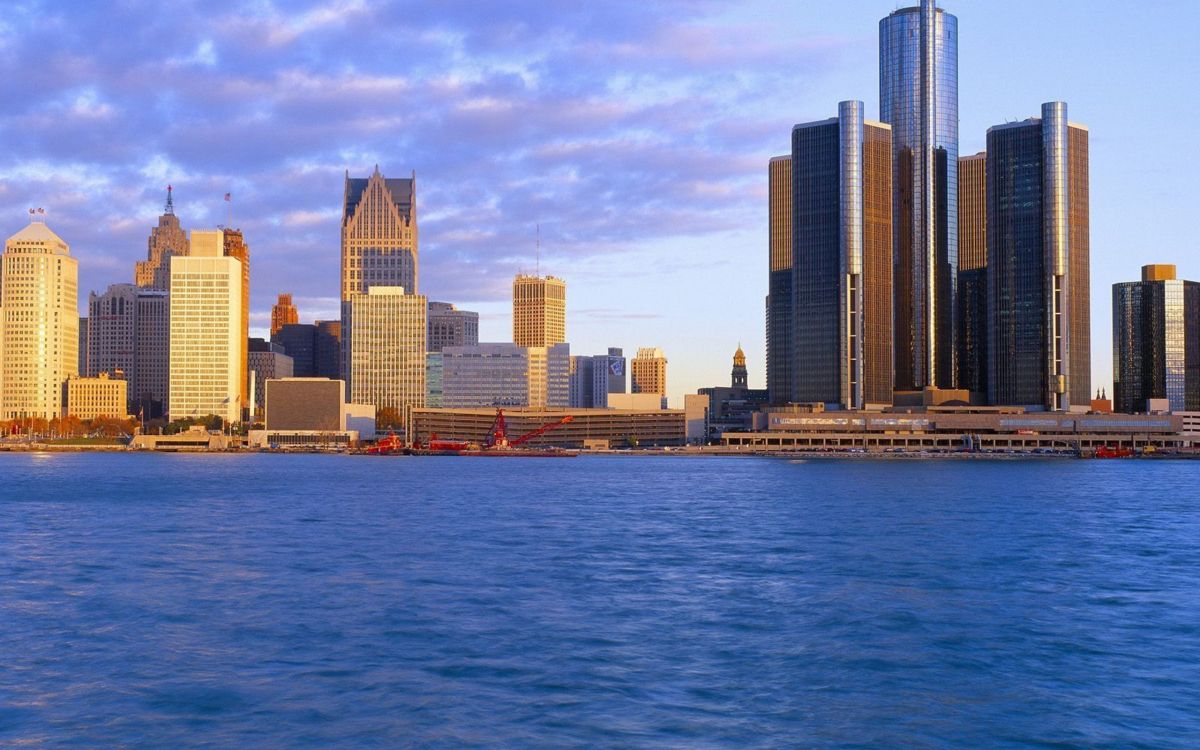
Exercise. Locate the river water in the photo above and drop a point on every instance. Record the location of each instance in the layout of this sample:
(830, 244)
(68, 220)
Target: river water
(263, 601)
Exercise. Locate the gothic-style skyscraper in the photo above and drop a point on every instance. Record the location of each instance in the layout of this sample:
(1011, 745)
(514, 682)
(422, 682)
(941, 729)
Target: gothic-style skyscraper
(379, 234)
(918, 97)
(166, 239)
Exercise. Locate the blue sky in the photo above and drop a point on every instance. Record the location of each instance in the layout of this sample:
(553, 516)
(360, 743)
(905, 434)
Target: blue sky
(636, 133)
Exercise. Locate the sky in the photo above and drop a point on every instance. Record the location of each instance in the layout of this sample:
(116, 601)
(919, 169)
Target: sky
(635, 134)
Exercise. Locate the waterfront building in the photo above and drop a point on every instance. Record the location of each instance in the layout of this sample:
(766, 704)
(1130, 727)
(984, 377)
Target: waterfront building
(379, 234)
(206, 339)
(731, 408)
(39, 322)
(267, 362)
(1039, 321)
(918, 97)
(235, 247)
(780, 357)
(1156, 341)
(494, 374)
(449, 326)
(558, 375)
(283, 313)
(593, 378)
(648, 373)
(385, 348)
(150, 381)
(99, 396)
(539, 310)
(588, 428)
(972, 274)
(166, 240)
(112, 331)
(842, 260)
(311, 413)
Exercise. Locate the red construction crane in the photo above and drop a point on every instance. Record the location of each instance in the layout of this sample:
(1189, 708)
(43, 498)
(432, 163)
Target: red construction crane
(498, 434)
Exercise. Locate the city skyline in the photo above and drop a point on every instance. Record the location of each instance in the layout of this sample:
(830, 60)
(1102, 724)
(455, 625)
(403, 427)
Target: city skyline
(618, 211)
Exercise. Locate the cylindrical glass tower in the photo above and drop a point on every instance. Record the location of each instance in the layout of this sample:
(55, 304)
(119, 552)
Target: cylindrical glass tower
(918, 97)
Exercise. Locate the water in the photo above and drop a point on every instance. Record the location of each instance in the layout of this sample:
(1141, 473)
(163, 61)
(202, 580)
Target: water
(154, 601)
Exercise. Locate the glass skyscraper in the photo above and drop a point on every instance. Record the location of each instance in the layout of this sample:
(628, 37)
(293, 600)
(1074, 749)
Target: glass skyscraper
(1039, 334)
(1156, 341)
(918, 97)
(779, 281)
(842, 260)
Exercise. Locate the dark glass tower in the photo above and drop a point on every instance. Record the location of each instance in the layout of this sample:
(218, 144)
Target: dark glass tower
(779, 281)
(841, 261)
(918, 97)
(1156, 341)
(1038, 273)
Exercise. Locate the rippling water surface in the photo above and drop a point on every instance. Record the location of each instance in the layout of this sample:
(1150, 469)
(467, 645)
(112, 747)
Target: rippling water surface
(151, 601)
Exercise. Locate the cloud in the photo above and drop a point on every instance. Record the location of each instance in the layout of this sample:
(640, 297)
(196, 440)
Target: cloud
(613, 126)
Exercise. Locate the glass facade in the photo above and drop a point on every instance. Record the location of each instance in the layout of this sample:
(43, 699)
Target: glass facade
(1037, 266)
(918, 95)
(779, 283)
(1156, 344)
(842, 261)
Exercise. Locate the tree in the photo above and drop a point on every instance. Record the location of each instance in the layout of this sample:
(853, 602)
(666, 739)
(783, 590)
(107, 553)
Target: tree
(388, 418)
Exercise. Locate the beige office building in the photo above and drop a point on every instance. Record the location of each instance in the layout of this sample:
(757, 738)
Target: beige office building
(207, 338)
(385, 348)
(101, 396)
(648, 372)
(379, 234)
(235, 247)
(539, 310)
(39, 323)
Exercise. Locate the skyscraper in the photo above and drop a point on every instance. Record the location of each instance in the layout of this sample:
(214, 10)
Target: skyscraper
(235, 247)
(1038, 244)
(779, 280)
(918, 97)
(972, 273)
(379, 234)
(1156, 341)
(283, 313)
(539, 310)
(206, 374)
(112, 329)
(39, 323)
(385, 348)
(150, 383)
(842, 260)
(648, 372)
(166, 240)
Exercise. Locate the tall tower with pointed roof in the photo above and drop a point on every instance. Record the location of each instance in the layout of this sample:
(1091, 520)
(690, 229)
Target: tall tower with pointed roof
(739, 377)
(166, 239)
(379, 234)
(39, 323)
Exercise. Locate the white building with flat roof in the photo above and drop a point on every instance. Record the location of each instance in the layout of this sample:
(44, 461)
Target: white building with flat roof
(206, 336)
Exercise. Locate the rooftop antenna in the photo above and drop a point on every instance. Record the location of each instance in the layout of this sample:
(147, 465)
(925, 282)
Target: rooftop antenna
(170, 207)
(538, 245)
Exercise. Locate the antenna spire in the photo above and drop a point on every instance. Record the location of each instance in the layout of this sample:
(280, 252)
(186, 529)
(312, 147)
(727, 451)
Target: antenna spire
(538, 249)
(170, 207)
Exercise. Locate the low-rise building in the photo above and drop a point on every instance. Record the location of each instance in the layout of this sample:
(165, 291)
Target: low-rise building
(617, 428)
(101, 396)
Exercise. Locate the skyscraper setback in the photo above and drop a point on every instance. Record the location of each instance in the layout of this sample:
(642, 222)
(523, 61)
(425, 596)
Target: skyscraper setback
(842, 260)
(1039, 320)
(166, 240)
(283, 313)
(918, 97)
